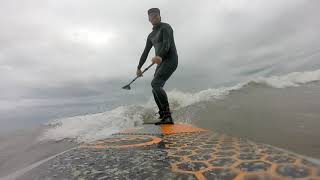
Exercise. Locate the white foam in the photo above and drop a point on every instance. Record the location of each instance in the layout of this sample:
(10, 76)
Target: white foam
(91, 127)
(180, 99)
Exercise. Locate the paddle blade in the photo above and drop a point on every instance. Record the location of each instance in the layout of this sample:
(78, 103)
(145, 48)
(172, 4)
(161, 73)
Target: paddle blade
(126, 87)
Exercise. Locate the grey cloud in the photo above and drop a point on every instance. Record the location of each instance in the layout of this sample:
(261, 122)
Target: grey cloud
(41, 57)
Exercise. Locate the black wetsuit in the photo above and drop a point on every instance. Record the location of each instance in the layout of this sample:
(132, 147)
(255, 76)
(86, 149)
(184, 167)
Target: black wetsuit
(162, 39)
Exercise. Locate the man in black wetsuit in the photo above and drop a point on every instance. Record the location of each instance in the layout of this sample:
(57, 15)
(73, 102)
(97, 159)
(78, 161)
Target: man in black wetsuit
(166, 59)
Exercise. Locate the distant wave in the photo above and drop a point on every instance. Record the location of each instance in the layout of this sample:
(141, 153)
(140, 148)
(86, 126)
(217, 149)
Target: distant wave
(290, 80)
(181, 99)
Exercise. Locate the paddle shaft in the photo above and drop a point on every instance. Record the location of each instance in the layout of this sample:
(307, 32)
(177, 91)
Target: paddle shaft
(141, 73)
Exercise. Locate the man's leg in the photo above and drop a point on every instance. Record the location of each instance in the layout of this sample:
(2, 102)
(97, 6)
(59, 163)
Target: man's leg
(161, 76)
(156, 99)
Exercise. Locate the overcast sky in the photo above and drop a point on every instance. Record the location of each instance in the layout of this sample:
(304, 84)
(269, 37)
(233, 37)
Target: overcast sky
(54, 51)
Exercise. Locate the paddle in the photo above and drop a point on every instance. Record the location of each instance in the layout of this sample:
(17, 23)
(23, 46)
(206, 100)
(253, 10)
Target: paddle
(128, 86)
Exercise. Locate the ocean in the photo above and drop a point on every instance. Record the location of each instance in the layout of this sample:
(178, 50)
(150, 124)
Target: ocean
(280, 110)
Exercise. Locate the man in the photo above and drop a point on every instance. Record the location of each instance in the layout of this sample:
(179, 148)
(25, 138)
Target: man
(166, 59)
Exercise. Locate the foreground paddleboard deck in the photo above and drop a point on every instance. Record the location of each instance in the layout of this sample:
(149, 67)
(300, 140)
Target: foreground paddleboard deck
(179, 151)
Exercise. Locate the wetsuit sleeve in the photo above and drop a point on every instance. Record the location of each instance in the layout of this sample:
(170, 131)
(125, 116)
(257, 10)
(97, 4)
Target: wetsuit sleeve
(166, 41)
(145, 53)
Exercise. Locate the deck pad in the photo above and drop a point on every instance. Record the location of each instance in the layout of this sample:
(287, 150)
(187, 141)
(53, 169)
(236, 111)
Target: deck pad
(179, 151)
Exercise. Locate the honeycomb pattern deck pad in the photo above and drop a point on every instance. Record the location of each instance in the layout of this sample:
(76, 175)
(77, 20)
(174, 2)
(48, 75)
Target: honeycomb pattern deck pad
(181, 151)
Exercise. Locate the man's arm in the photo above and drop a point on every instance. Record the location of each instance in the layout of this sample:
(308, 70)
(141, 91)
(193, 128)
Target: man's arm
(145, 53)
(166, 41)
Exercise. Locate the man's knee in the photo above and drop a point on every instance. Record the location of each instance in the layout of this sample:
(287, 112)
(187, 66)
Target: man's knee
(154, 91)
(155, 83)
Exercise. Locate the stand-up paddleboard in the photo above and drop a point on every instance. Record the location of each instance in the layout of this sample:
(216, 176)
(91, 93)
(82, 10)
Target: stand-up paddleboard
(179, 151)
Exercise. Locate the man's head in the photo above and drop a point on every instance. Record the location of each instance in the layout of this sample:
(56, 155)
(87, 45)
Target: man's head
(154, 16)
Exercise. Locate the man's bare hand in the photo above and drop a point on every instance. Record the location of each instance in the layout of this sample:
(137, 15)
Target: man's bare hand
(139, 73)
(156, 60)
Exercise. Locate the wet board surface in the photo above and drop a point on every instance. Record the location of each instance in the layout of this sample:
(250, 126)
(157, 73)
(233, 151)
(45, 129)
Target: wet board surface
(179, 151)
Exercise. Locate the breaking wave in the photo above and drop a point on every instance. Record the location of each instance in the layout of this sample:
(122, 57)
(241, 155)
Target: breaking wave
(91, 127)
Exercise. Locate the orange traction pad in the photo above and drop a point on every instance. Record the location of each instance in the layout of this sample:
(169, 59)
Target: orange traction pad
(180, 128)
(136, 140)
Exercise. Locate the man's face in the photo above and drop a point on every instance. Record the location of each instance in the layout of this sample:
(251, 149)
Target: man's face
(154, 18)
